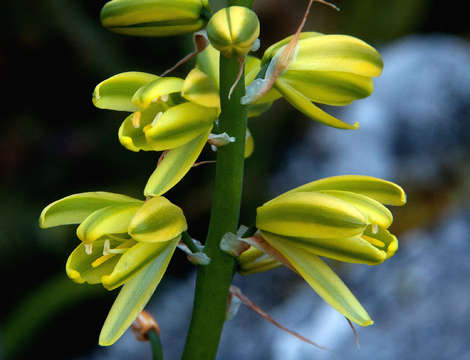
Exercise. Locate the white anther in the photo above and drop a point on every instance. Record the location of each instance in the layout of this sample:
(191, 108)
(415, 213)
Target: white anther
(375, 228)
(108, 251)
(213, 148)
(136, 119)
(88, 249)
(164, 98)
(158, 116)
(106, 247)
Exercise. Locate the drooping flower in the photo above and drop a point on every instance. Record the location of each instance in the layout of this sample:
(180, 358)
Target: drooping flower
(124, 242)
(161, 120)
(326, 69)
(169, 114)
(155, 17)
(342, 218)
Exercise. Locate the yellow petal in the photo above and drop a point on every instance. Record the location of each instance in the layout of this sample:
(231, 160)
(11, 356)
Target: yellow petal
(374, 211)
(323, 281)
(157, 220)
(134, 260)
(156, 91)
(353, 249)
(116, 92)
(79, 264)
(180, 124)
(175, 165)
(134, 295)
(75, 208)
(337, 53)
(310, 215)
(329, 87)
(303, 104)
(249, 144)
(383, 191)
(109, 220)
(200, 89)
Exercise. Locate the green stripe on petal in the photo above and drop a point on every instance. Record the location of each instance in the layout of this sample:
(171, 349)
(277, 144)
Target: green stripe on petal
(337, 53)
(157, 220)
(79, 264)
(157, 91)
(116, 92)
(200, 89)
(175, 165)
(310, 215)
(383, 191)
(134, 295)
(353, 249)
(304, 105)
(75, 208)
(273, 49)
(109, 220)
(152, 18)
(329, 87)
(374, 211)
(134, 260)
(208, 62)
(157, 29)
(323, 281)
(179, 125)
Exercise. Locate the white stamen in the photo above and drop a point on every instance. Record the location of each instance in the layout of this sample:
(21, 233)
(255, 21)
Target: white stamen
(88, 249)
(158, 116)
(164, 98)
(375, 228)
(108, 251)
(213, 148)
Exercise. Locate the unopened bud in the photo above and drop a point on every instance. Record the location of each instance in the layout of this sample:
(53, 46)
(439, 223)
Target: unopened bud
(233, 30)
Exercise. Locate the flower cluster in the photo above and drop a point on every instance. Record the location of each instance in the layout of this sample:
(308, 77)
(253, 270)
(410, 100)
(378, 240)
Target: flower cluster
(341, 218)
(124, 241)
(129, 242)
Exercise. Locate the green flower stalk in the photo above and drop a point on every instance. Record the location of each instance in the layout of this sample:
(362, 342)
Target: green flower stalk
(169, 114)
(124, 242)
(342, 218)
(326, 69)
(155, 17)
(233, 30)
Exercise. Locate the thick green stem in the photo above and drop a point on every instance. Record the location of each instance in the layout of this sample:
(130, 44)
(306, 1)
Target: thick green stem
(213, 281)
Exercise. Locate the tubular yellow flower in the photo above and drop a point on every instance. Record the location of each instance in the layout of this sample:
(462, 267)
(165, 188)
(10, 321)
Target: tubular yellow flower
(233, 30)
(155, 17)
(327, 69)
(161, 120)
(341, 218)
(125, 241)
(167, 114)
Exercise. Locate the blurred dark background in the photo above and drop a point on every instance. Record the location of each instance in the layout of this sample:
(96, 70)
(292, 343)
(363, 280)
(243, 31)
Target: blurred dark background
(55, 143)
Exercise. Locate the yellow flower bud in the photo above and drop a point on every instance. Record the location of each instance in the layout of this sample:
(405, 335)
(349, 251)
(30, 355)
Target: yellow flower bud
(154, 17)
(233, 30)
